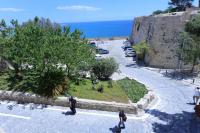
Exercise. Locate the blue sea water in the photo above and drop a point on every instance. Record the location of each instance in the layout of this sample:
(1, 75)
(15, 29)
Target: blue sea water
(103, 29)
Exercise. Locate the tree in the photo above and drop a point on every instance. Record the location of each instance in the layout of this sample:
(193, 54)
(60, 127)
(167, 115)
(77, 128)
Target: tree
(193, 27)
(41, 48)
(189, 50)
(157, 12)
(141, 50)
(190, 42)
(104, 68)
(181, 5)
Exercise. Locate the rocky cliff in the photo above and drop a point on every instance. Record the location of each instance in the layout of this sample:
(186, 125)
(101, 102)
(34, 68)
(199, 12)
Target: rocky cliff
(162, 33)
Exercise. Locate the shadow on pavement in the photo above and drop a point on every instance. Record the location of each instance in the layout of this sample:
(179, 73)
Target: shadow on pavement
(191, 103)
(179, 75)
(115, 129)
(132, 66)
(68, 113)
(185, 122)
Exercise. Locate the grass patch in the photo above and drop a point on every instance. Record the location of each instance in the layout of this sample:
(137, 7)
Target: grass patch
(121, 92)
(133, 89)
(85, 91)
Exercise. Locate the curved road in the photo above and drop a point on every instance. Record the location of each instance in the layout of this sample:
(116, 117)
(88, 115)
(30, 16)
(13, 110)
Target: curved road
(172, 113)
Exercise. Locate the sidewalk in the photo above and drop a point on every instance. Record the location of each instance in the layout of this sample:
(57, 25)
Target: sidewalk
(189, 80)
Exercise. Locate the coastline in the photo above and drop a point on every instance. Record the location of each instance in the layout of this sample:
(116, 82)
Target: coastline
(107, 38)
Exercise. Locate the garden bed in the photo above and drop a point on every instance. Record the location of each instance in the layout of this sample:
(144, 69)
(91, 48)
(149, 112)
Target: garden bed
(85, 90)
(121, 91)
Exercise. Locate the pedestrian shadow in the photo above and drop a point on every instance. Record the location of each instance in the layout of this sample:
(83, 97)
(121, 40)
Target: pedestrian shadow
(132, 65)
(68, 113)
(183, 75)
(184, 122)
(190, 103)
(115, 129)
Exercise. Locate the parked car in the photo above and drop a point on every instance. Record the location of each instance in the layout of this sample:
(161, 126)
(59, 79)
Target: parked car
(129, 50)
(98, 57)
(102, 51)
(126, 47)
(130, 54)
(92, 44)
(127, 42)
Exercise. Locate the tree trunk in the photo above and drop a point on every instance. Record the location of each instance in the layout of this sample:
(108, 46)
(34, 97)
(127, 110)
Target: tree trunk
(18, 73)
(193, 65)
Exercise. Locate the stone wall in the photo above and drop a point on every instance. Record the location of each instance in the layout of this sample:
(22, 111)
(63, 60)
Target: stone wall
(162, 33)
(132, 108)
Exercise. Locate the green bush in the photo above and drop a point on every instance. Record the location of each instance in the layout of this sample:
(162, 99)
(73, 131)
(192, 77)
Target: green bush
(53, 83)
(141, 49)
(104, 68)
(157, 12)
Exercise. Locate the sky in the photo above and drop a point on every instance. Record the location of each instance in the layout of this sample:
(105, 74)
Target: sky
(62, 11)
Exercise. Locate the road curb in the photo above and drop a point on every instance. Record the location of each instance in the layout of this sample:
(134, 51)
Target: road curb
(131, 108)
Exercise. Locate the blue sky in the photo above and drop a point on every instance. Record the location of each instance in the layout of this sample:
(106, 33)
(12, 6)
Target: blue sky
(79, 10)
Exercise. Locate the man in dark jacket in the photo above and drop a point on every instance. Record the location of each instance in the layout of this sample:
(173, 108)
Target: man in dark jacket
(122, 118)
(72, 104)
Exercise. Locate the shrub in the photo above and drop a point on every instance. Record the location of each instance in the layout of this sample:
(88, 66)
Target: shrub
(141, 49)
(157, 12)
(104, 68)
(52, 83)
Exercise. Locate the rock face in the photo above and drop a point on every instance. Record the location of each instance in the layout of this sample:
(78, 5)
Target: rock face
(162, 33)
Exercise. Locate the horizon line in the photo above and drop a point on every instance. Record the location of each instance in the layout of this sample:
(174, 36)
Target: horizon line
(98, 21)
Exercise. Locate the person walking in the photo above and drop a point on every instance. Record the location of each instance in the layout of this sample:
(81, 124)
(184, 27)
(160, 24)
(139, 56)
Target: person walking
(197, 110)
(122, 118)
(196, 95)
(72, 104)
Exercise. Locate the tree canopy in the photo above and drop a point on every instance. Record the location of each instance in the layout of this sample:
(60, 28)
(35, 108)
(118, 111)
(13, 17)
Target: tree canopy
(42, 44)
(38, 47)
(190, 42)
(181, 5)
(175, 6)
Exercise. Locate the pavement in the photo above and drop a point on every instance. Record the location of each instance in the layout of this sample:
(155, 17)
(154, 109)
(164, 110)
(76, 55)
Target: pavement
(172, 113)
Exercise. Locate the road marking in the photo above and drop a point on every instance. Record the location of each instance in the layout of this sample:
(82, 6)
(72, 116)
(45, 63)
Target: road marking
(1, 130)
(15, 116)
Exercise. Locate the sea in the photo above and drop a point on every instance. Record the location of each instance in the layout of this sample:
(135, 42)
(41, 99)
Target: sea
(103, 29)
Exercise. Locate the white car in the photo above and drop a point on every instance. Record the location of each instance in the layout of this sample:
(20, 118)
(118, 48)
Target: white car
(130, 54)
(127, 43)
(98, 56)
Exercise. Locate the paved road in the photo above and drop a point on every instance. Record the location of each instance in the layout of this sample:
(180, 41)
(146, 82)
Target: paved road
(22, 119)
(174, 113)
(171, 114)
